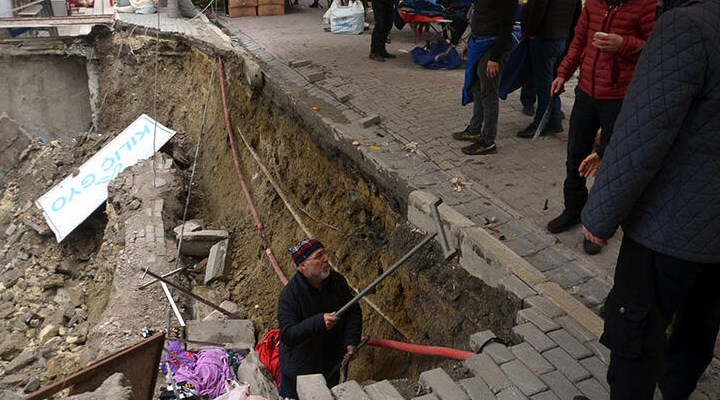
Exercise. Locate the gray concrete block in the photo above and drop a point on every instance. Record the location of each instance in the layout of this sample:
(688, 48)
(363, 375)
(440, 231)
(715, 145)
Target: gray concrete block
(313, 387)
(560, 385)
(602, 352)
(478, 339)
(483, 366)
(540, 320)
(216, 261)
(547, 395)
(514, 285)
(597, 369)
(537, 339)
(344, 97)
(313, 77)
(511, 393)
(233, 333)
(476, 388)
(531, 358)
(569, 274)
(594, 291)
(298, 63)
(383, 390)
(442, 385)
(570, 344)
(419, 214)
(523, 378)
(192, 225)
(499, 353)
(225, 305)
(593, 389)
(574, 328)
(250, 371)
(350, 390)
(475, 262)
(429, 396)
(370, 120)
(566, 364)
(198, 243)
(545, 306)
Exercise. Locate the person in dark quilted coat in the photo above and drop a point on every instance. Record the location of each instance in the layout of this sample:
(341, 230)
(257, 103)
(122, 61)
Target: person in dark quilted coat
(609, 38)
(660, 180)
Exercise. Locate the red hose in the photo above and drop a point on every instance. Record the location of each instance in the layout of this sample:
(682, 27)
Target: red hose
(251, 205)
(446, 352)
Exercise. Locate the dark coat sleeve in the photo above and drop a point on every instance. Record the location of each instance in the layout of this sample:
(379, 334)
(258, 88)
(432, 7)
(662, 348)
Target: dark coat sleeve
(668, 76)
(506, 19)
(293, 329)
(534, 13)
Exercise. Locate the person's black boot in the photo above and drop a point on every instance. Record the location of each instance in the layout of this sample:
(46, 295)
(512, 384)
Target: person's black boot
(563, 222)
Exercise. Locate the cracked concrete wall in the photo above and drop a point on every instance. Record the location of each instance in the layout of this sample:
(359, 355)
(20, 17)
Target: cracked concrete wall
(47, 96)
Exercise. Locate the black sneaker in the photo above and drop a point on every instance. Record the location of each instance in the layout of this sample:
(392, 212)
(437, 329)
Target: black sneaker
(466, 135)
(377, 57)
(479, 148)
(528, 132)
(590, 247)
(529, 110)
(387, 55)
(563, 222)
(552, 129)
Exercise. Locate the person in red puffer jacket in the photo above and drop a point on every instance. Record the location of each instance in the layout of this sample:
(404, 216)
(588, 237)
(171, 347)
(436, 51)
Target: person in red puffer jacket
(609, 37)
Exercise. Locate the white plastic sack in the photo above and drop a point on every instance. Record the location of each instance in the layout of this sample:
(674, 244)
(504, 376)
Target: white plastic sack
(348, 19)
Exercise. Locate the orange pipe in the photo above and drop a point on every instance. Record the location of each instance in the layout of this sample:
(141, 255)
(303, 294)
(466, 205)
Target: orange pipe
(446, 352)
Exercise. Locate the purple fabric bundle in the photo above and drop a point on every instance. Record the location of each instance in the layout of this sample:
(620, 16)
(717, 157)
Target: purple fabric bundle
(208, 374)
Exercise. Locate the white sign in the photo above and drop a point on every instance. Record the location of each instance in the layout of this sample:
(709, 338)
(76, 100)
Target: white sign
(71, 201)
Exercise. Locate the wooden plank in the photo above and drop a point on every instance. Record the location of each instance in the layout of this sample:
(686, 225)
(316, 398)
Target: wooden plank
(271, 10)
(271, 2)
(243, 3)
(44, 22)
(242, 12)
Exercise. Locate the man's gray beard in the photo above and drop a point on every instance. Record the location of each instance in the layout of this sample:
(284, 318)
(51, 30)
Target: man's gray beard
(324, 274)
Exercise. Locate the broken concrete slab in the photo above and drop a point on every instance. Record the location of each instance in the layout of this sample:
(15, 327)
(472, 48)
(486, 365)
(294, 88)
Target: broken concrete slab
(313, 387)
(228, 305)
(199, 243)
(236, 334)
(192, 225)
(251, 370)
(216, 261)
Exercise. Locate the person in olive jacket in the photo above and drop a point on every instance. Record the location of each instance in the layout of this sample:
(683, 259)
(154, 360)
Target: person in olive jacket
(313, 340)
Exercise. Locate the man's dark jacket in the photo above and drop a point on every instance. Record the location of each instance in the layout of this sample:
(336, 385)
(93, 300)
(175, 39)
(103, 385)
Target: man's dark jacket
(495, 18)
(550, 19)
(305, 346)
(660, 176)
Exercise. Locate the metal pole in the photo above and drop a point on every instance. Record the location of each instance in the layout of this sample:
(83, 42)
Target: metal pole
(173, 272)
(382, 277)
(447, 252)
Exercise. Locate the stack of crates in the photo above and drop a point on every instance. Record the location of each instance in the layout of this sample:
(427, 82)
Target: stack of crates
(252, 8)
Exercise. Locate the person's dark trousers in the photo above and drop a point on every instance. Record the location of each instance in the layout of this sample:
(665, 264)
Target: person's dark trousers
(383, 13)
(544, 54)
(652, 292)
(527, 94)
(288, 386)
(486, 104)
(588, 115)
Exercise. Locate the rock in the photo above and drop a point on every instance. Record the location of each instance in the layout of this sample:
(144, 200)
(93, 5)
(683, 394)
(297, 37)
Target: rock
(11, 345)
(7, 309)
(12, 380)
(225, 305)
(10, 277)
(76, 295)
(63, 364)
(190, 226)
(198, 243)
(9, 395)
(48, 332)
(116, 387)
(251, 371)
(51, 347)
(23, 359)
(53, 281)
(32, 385)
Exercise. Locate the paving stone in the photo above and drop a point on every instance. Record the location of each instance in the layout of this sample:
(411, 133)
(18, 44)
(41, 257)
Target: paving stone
(514, 285)
(370, 120)
(313, 387)
(442, 385)
(483, 366)
(525, 245)
(570, 344)
(476, 388)
(560, 385)
(511, 393)
(593, 389)
(298, 63)
(548, 395)
(523, 378)
(383, 390)
(578, 331)
(478, 339)
(537, 339)
(597, 369)
(547, 259)
(542, 322)
(566, 364)
(545, 306)
(350, 390)
(499, 353)
(594, 291)
(602, 352)
(569, 274)
(531, 358)
(216, 261)
(429, 396)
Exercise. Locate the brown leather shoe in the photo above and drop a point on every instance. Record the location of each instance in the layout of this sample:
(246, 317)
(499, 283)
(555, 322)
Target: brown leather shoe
(377, 57)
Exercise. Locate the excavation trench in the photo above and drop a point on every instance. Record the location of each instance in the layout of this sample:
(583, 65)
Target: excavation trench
(427, 301)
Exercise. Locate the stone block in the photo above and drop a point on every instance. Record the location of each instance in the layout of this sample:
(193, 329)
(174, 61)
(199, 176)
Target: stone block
(251, 372)
(569, 274)
(298, 63)
(429, 396)
(540, 320)
(514, 285)
(593, 389)
(225, 305)
(350, 390)
(537, 339)
(597, 369)
(192, 225)
(313, 387)
(511, 393)
(570, 367)
(344, 97)
(547, 395)
(420, 215)
(594, 291)
(216, 261)
(313, 77)
(476, 388)
(545, 306)
(560, 385)
(198, 243)
(383, 390)
(478, 339)
(370, 120)
(233, 333)
(499, 353)
(602, 352)
(531, 358)
(442, 385)
(574, 328)
(570, 344)
(483, 366)
(477, 262)
(523, 378)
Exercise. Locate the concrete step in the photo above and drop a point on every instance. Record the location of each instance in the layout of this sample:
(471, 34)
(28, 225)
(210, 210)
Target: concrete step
(383, 390)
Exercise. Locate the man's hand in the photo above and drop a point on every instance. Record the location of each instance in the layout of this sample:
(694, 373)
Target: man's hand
(558, 86)
(493, 69)
(330, 320)
(589, 236)
(607, 41)
(350, 353)
(590, 165)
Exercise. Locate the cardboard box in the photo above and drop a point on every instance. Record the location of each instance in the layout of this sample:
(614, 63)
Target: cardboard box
(243, 3)
(271, 3)
(271, 10)
(242, 12)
